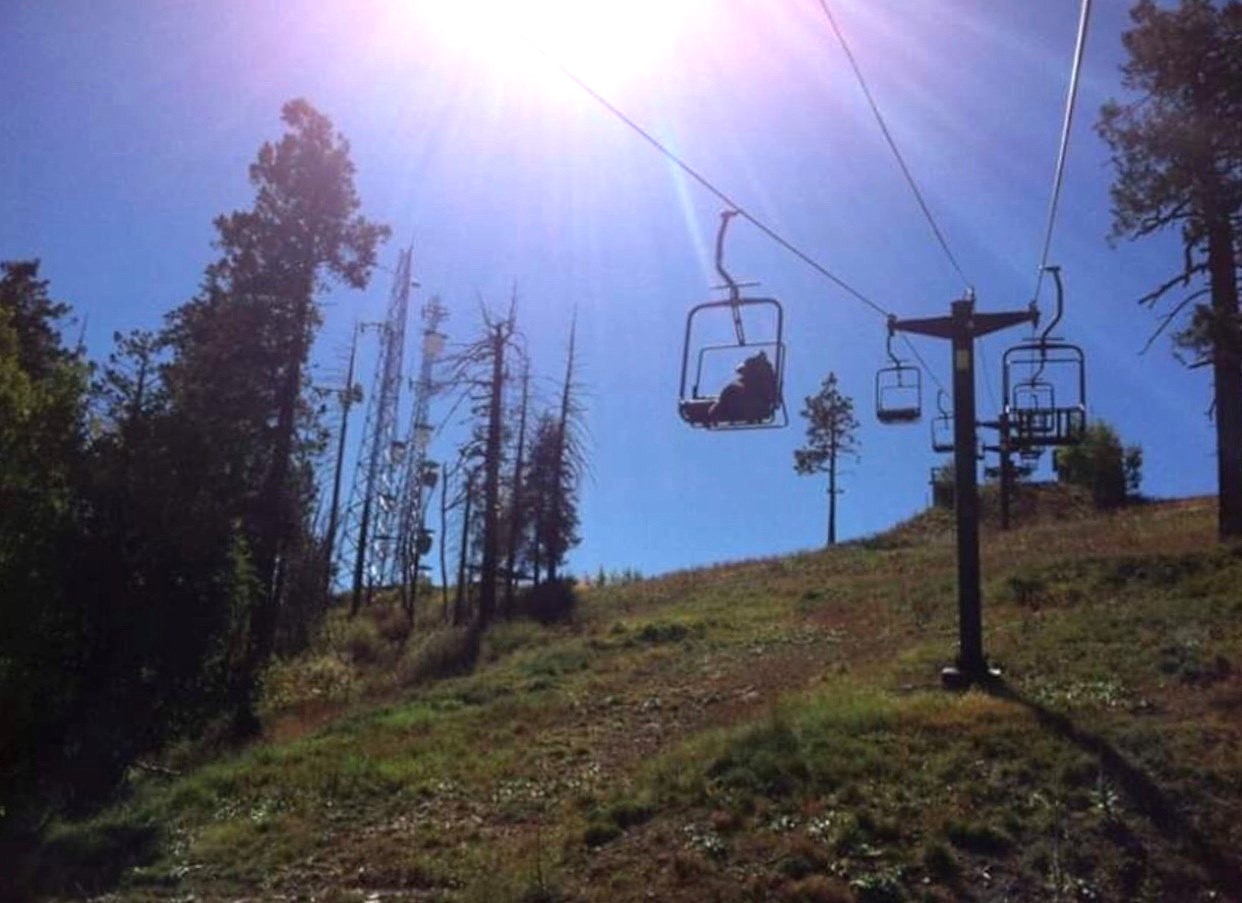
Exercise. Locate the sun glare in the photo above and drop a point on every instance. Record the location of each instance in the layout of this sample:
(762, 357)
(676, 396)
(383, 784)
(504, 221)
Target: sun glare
(609, 43)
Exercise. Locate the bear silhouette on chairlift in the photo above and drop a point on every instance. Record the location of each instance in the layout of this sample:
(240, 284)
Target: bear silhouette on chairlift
(751, 397)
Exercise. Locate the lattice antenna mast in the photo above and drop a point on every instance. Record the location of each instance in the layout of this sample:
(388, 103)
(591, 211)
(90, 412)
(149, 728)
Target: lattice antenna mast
(420, 475)
(372, 517)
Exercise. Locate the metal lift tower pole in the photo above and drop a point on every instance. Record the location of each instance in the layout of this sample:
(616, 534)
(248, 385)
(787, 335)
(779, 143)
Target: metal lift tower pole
(373, 501)
(961, 328)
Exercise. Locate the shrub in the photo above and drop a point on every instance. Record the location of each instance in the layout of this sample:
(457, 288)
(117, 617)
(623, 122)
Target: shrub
(551, 602)
(1099, 463)
(298, 681)
(361, 642)
(392, 624)
(441, 653)
(765, 761)
(506, 638)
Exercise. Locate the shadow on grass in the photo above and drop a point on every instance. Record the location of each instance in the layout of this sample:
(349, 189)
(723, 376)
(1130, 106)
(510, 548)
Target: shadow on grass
(85, 862)
(1144, 794)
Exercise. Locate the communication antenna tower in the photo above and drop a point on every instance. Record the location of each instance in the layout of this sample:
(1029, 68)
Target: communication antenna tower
(420, 475)
(374, 506)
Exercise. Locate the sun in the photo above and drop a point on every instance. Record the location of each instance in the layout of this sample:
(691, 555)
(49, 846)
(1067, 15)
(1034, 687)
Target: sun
(608, 43)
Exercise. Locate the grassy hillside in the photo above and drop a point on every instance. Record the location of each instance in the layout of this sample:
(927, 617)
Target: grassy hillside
(770, 730)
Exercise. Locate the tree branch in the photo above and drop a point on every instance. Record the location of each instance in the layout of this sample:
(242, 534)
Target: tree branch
(1165, 321)
(1182, 278)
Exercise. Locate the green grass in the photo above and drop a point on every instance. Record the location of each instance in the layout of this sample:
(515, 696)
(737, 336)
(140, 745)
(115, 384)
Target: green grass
(766, 730)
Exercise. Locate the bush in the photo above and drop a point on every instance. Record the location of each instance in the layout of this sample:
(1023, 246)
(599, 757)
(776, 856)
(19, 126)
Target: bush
(288, 683)
(361, 642)
(506, 638)
(551, 602)
(442, 653)
(1100, 463)
(392, 624)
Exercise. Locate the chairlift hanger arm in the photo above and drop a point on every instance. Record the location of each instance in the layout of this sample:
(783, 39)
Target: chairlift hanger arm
(888, 342)
(725, 216)
(1056, 275)
(730, 283)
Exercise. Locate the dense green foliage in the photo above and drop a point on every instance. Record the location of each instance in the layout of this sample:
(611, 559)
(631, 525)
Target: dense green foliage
(154, 523)
(42, 626)
(1100, 464)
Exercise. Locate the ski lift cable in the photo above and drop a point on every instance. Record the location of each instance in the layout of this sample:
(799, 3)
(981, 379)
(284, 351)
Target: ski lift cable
(704, 181)
(1071, 96)
(892, 144)
(905, 337)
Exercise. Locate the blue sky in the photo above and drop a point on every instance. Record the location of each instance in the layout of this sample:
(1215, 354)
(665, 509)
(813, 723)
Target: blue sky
(129, 126)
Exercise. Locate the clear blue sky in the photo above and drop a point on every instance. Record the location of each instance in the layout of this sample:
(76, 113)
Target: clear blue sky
(129, 125)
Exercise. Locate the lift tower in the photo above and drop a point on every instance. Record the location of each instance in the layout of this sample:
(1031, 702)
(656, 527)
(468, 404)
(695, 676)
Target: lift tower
(373, 513)
(962, 327)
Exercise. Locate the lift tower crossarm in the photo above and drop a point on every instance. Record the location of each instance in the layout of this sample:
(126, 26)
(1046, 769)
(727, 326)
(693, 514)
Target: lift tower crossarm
(976, 325)
(962, 327)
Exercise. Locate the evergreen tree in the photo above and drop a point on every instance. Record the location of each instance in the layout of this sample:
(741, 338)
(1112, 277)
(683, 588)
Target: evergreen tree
(240, 348)
(830, 435)
(1099, 463)
(42, 626)
(1178, 154)
(557, 463)
(551, 491)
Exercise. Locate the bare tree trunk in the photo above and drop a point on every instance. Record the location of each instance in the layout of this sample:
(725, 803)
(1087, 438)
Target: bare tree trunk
(1227, 371)
(491, 481)
(832, 499)
(517, 506)
(444, 594)
(274, 527)
(459, 606)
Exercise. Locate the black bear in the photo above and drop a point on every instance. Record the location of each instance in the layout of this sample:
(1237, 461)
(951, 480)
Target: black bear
(751, 397)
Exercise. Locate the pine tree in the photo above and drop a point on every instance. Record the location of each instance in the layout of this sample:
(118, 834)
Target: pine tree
(240, 347)
(557, 463)
(1177, 151)
(42, 625)
(830, 435)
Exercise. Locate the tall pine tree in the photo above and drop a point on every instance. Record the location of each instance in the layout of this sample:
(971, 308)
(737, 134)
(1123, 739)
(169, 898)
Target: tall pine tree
(1177, 150)
(830, 434)
(241, 346)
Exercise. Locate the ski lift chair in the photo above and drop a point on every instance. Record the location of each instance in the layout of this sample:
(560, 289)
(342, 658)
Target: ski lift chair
(898, 390)
(1045, 386)
(1045, 393)
(753, 396)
